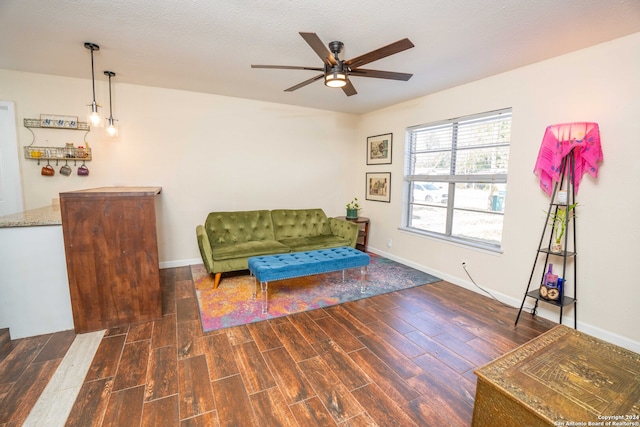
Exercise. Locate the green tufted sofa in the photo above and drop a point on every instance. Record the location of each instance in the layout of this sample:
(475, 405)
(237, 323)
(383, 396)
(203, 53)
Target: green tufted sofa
(228, 239)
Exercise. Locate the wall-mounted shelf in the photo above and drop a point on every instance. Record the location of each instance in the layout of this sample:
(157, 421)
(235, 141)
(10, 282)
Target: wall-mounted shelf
(57, 153)
(37, 124)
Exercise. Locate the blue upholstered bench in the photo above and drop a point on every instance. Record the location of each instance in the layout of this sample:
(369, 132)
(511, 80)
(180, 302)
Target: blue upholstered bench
(268, 268)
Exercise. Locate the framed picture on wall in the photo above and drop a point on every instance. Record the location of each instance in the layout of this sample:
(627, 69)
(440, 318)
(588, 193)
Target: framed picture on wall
(378, 186)
(379, 149)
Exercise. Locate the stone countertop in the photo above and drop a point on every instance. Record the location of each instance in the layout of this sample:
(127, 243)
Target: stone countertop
(48, 215)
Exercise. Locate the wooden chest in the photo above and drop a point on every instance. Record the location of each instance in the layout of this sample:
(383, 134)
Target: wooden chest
(561, 378)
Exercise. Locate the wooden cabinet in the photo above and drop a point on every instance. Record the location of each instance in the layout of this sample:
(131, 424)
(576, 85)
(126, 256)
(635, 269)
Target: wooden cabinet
(112, 256)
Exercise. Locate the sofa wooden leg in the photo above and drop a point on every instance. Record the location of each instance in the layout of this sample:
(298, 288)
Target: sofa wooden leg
(216, 280)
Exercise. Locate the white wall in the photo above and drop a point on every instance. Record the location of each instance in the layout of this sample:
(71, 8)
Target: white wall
(599, 84)
(207, 152)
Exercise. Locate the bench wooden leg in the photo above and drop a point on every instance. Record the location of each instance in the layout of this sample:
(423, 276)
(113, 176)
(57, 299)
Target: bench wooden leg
(216, 280)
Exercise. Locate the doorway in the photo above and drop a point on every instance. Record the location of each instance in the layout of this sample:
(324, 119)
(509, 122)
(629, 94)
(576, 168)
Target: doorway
(10, 179)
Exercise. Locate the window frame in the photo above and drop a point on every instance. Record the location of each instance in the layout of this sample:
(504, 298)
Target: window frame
(451, 179)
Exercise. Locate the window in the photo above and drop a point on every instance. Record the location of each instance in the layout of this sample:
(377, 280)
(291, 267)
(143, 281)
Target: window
(456, 178)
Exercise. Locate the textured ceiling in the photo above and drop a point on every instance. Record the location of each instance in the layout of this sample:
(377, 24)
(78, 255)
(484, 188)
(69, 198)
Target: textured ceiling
(208, 46)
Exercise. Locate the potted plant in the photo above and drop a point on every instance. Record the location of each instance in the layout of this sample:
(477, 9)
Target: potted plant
(559, 221)
(353, 208)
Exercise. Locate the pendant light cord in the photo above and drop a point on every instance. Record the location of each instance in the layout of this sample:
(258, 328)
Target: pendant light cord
(93, 79)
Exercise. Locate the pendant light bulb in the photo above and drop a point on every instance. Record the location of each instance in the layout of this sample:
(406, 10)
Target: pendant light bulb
(94, 116)
(112, 129)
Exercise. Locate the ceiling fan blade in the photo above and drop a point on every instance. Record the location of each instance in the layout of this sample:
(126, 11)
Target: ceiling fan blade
(348, 89)
(380, 53)
(287, 67)
(319, 48)
(361, 72)
(304, 83)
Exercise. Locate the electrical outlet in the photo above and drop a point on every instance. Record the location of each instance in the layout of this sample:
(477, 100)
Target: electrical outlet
(389, 243)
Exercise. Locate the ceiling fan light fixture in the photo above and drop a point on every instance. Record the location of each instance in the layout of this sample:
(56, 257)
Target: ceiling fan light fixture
(335, 77)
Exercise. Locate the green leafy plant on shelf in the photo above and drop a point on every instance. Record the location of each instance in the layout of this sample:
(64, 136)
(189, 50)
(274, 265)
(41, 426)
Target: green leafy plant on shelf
(559, 221)
(352, 208)
(353, 204)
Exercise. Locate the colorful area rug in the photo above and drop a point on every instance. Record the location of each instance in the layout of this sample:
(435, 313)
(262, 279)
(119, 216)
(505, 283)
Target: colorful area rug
(232, 303)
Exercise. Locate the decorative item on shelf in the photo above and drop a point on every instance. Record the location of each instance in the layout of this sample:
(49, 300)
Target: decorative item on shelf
(94, 115)
(69, 150)
(559, 221)
(65, 170)
(54, 121)
(353, 208)
(83, 170)
(551, 288)
(561, 197)
(112, 129)
(47, 170)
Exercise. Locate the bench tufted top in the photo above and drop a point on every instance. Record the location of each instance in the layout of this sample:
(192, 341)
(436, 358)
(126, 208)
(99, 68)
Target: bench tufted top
(285, 266)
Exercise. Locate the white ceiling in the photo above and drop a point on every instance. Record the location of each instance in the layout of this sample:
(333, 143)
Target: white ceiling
(208, 46)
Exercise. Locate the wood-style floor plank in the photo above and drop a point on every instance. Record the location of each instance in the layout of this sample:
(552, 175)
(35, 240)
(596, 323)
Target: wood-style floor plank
(56, 347)
(195, 394)
(386, 378)
(338, 360)
(105, 362)
(312, 413)
(161, 412)
(333, 394)
(253, 367)
(403, 358)
(22, 354)
(162, 379)
(91, 404)
(271, 409)
(24, 393)
(288, 375)
(381, 408)
(125, 408)
(132, 370)
(232, 402)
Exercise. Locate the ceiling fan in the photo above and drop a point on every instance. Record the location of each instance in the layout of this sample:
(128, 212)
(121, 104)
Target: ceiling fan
(336, 72)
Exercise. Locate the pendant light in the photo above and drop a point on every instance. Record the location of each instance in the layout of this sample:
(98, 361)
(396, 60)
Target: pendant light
(93, 115)
(112, 129)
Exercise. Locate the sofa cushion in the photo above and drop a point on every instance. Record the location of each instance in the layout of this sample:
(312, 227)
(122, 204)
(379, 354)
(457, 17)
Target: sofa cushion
(248, 249)
(298, 244)
(238, 227)
(293, 223)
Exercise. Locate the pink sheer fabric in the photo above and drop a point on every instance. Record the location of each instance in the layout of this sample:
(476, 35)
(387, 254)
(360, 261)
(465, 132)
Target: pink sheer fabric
(557, 143)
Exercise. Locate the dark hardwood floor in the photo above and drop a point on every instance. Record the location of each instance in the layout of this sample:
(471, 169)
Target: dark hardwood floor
(400, 359)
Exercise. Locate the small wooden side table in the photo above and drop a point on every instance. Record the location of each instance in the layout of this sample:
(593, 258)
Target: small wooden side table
(363, 234)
